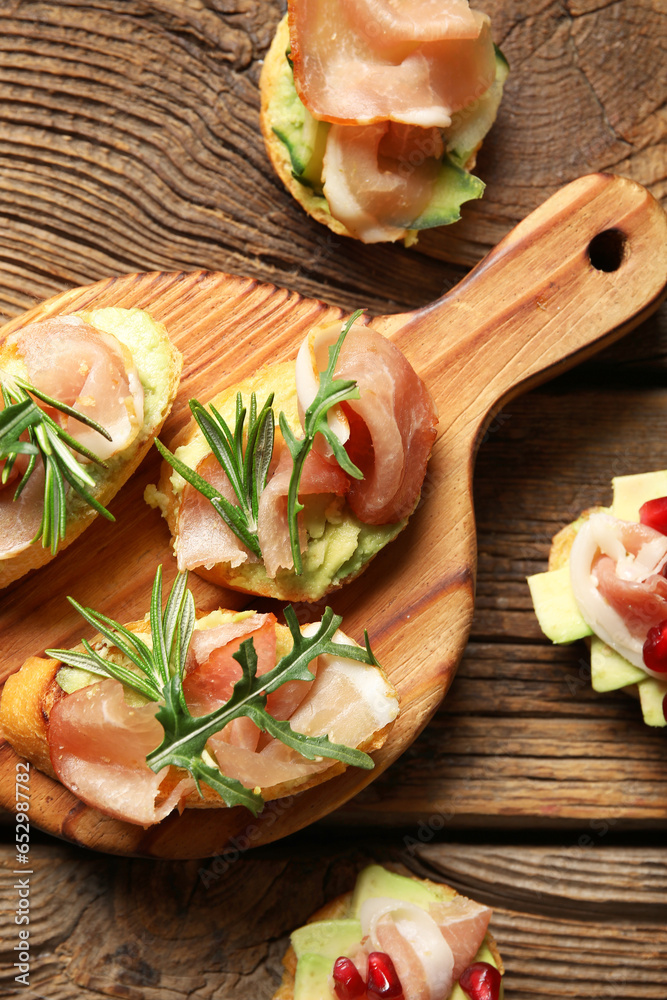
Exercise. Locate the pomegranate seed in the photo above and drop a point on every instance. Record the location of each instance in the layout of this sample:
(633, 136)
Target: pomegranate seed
(383, 981)
(481, 981)
(655, 648)
(348, 983)
(654, 513)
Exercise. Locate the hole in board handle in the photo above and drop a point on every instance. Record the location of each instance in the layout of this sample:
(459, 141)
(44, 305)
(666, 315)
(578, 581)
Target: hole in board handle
(607, 250)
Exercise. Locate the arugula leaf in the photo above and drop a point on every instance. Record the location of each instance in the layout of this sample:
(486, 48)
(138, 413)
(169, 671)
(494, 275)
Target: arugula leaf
(159, 677)
(50, 442)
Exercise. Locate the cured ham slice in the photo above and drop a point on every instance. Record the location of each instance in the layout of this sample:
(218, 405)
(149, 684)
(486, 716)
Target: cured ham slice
(463, 923)
(88, 369)
(378, 179)
(203, 538)
(392, 426)
(20, 519)
(98, 746)
(357, 62)
(616, 570)
(422, 957)
(317, 477)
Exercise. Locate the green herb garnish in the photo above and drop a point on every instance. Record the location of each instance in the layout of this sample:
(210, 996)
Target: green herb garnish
(50, 442)
(160, 679)
(246, 472)
(330, 392)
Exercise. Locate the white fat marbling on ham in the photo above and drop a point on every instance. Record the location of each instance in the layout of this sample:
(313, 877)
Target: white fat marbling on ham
(463, 923)
(203, 538)
(378, 179)
(422, 957)
(392, 426)
(357, 62)
(616, 572)
(98, 743)
(98, 746)
(89, 370)
(318, 477)
(20, 519)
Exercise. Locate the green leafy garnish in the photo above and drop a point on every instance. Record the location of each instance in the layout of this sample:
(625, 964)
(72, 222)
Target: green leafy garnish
(159, 677)
(50, 442)
(246, 471)
(330, 392)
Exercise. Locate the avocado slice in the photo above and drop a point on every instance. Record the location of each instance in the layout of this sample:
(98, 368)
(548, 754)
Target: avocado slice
(609, 670)
(555, 606)
(328, 938)
(313, 977)
(652, 694)
(470, 124)
(377, 881)
(630, 492)
(305, 139)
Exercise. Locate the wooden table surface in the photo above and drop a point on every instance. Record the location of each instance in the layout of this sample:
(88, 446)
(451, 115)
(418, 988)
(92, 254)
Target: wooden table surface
(129, 141)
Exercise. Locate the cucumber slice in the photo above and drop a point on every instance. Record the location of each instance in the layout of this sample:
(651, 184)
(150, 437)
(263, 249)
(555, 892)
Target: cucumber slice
(304, 137)
(453, 187)
(652, 694)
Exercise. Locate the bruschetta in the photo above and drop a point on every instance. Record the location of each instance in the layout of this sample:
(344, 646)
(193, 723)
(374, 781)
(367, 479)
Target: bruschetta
(606, 584)
(350, 495)
(118, 371)
(397, 937)
(373, 115)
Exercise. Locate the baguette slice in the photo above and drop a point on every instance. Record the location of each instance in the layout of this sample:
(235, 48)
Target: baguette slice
(344, 907)
(340, 545)
(158, 366)
(296, 143)
(30, 695)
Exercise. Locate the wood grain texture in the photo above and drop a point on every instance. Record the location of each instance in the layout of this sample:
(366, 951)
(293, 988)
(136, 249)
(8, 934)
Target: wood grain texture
(129, 141)
(534, 304)
(582, 923)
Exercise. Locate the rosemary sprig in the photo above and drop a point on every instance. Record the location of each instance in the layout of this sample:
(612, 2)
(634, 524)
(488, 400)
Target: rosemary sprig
(159, 677)
(330, 392)
(246, 471)
(50, 442)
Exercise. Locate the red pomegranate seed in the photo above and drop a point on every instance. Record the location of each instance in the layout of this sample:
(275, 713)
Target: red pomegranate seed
(481, 981)
(348, 983)
(655, 648)
(383, 981)
(654, 513)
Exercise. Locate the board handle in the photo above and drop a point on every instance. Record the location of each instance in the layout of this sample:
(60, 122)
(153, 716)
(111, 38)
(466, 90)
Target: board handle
(578, 272)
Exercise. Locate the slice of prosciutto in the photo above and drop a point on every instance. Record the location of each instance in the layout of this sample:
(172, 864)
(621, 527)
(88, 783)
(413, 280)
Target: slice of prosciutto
(87, 369)
(388, 432)
(98, 743)
(20, 519)
(318, 477)
(98, 746)
(616, 569)
(357, 62)
(378, 179)
(202, 537)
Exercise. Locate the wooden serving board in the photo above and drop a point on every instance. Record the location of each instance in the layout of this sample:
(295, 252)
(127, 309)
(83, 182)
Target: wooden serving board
(577, 273)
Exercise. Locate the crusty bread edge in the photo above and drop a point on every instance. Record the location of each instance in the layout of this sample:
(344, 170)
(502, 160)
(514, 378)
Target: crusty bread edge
(336, 909)
(81, 515)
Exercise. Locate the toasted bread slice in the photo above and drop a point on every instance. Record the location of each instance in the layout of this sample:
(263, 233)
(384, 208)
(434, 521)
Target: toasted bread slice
(30, 694)
(158, 365)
